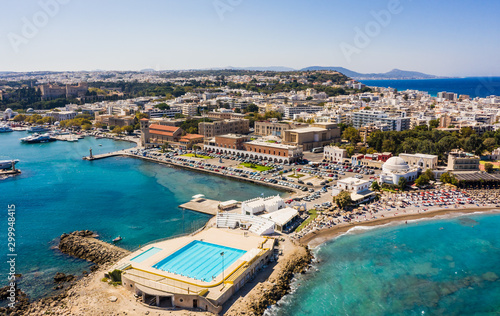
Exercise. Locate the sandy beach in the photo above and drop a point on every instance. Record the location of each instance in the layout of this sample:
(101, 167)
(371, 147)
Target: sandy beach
(315, 238)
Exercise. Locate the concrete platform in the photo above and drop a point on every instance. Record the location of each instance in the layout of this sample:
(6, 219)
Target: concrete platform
(202, 205)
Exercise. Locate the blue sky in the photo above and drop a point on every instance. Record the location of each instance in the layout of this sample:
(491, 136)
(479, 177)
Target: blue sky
(449, 38)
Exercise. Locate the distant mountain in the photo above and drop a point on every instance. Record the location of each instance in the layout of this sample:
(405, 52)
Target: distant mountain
(147, 70)
(393, 74)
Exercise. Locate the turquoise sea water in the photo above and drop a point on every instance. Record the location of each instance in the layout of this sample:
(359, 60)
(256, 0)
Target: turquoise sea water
(59, 192)
(473, 87)
(429, 267)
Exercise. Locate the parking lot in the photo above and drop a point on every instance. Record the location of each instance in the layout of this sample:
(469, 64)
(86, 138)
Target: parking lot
(310, 180)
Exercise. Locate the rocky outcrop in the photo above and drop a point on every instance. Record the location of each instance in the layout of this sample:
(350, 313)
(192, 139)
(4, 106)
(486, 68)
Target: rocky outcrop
(7, 294)
(270, 292)
(84, 245)
(62, 277)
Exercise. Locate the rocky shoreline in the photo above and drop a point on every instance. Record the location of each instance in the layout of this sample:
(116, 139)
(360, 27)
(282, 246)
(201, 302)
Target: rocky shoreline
(271, 291)
(80, 244)
(84, 245)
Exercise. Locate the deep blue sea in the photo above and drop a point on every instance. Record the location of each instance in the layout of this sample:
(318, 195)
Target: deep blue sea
(473, 87)
(59, 192)
(428, 267)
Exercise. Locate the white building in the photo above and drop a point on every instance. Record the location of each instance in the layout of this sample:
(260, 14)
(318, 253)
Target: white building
(62, 115)
(421, 161)
(289, 111)
(334, 154)
(9, 114)
(396, 168)
(352, 185)
(359, 189)
(283, 218)
(189, 109)
(259, 205)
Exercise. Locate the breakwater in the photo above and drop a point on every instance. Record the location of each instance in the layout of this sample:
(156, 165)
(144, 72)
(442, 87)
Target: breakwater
(84, 245)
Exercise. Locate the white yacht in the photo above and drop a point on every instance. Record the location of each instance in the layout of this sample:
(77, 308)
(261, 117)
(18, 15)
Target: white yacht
(7, 164)
(37, 129)
(5, 129)
(36, 138)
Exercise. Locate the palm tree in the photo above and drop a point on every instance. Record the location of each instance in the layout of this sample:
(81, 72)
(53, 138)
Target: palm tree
(402, 183)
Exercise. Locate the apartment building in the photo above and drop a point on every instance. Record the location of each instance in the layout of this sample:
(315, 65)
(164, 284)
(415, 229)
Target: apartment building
(459, 160)
(316, 135)
(290, 111)
(275, 128)
(231, 126)
(369, 117)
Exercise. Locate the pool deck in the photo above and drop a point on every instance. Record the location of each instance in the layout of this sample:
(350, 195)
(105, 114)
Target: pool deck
(144, 272)
(202, 205)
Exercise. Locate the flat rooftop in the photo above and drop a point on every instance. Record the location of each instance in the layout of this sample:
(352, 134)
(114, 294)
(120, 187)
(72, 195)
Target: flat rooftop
(307, 130)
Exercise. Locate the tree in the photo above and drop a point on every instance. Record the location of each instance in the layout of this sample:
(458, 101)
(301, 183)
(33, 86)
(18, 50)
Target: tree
(351, 134)
(490, 144)
(128, 129)
(86, 127)
(429, 174)
(164, 147)
(402, 183)
(448, 178)
(433, 124)
(117, 130)
(162, 106)
(473, 144)
(375, 186)
(350, 151)
(343, 199)
(422, 180)
(488, 167)
(252, 108)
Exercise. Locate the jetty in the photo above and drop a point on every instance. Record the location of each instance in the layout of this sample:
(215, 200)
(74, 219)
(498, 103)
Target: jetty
(202, 205)
(102, 156)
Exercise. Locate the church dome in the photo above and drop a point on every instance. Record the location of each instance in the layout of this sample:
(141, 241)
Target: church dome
(395, 164)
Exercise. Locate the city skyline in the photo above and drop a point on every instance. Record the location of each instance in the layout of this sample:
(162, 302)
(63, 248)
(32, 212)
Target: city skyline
(443, 39)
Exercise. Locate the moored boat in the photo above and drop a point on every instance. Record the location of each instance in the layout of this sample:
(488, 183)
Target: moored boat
(37, 129)
(7, 164)
(5, 129)
(36, 138)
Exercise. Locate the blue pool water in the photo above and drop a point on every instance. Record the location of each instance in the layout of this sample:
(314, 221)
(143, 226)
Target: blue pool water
(146, 254)
(199, 260)
(58, 193)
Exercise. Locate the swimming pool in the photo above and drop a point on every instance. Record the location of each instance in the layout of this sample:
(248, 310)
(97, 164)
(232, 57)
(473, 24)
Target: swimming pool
(199, 260)
(146, 254)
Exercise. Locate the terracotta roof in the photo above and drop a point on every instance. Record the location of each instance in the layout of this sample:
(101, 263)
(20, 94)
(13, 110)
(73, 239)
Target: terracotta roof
(144, 119)
(192, 136)
(161, 133)
(164, 128)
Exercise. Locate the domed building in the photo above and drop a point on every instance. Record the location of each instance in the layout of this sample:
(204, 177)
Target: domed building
(8, 114)
(396, 168)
